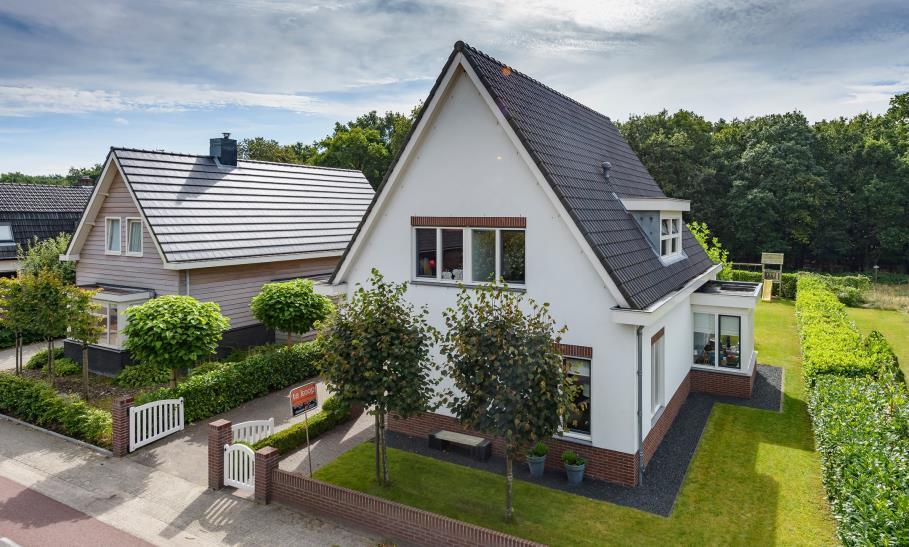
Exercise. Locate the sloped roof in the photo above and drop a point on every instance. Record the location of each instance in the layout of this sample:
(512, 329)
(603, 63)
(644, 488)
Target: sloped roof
(39, 210)
(198, 210)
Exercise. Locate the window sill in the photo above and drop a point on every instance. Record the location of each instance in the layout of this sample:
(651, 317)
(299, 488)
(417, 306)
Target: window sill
(137, 255)
(576, 438)
(459, 284)
(655, 417)
(112, 253)
(672, 259)
(723, 370)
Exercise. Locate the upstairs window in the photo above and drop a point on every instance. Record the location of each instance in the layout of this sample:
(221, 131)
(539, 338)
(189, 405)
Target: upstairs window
(112, 236)
(492, 253)
(134, 237)
(670, 236)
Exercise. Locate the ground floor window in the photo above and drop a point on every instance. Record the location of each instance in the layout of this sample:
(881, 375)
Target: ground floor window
(718, 340)
(657, 366)
(579, 423)
(110, 321)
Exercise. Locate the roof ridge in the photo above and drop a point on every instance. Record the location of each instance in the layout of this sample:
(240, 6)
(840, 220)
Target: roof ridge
(165, 152)
(42, 185)
(460, 46)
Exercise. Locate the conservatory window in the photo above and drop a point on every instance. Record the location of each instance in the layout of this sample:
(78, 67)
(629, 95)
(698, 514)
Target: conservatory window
(717, 340)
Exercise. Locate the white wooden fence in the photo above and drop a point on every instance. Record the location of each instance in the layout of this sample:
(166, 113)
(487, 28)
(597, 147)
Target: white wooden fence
(253, 431)
(239, 466)
(153, 421)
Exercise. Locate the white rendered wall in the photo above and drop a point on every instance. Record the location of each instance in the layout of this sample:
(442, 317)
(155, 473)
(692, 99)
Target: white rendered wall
(467, 166)
(678, 340)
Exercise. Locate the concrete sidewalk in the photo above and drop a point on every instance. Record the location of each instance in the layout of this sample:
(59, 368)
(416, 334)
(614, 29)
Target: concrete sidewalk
(151, 504)
(8, 355)
(185, 454)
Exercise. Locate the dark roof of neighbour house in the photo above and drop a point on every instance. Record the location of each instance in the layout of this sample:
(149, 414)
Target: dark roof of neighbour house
(569, 143)
(39, 210)
(200, 211)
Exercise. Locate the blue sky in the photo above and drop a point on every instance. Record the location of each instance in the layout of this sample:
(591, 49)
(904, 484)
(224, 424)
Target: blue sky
(79, 77)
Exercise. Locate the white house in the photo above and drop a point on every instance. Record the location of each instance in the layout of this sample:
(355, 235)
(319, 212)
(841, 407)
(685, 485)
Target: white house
(503, 176)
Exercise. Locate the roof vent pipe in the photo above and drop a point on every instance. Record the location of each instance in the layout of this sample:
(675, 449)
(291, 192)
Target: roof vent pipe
(606, 167)
(224, 150)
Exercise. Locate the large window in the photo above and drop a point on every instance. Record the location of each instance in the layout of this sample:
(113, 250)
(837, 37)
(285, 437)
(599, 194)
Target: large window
(110, 322)
(134, 237)
(579, 423)
(657, 367)
(112, 235)
(670, 236)
(712, 350)
(493, 254)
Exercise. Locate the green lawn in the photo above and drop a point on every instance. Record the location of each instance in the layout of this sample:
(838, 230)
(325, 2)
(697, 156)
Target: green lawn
(892, 324)
(755, 479)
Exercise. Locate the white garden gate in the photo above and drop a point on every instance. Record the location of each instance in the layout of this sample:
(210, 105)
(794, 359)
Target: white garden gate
(239, 466)
(253, 431)
(153, 421)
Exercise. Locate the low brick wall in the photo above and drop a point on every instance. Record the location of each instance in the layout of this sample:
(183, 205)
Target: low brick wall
(398, 521)
(719, 382)
(603, 464)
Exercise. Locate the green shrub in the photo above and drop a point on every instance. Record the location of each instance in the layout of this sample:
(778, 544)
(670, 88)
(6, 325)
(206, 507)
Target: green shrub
(209, 366)
(882, 354)
(830, 341)
(66, 367)
(861, 427)
(37, 403)
(847, 287)
(233, 384)
(39, 360)
(136, 376)
(333, 414)
(785, 289)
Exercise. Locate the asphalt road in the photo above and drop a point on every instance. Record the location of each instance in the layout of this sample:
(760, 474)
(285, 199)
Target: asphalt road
(28, 518)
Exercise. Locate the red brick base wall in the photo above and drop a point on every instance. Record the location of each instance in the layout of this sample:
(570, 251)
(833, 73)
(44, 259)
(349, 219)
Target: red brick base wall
(603, 464)
(401, 522)
(723, 383)
(659, 429)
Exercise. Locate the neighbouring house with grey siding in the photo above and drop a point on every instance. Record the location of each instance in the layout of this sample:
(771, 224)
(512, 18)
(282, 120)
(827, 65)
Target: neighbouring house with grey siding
(210, 227)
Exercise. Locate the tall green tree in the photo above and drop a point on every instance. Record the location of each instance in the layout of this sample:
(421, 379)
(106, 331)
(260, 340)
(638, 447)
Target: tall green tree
(45, 299)
(85, 325)
(377, 354)
(174, 332)
(44, 255)
(290, 306)
(15, 314)
(509, 379)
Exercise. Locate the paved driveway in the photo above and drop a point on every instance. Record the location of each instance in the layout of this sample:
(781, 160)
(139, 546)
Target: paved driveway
(185, 454)
(8, 355)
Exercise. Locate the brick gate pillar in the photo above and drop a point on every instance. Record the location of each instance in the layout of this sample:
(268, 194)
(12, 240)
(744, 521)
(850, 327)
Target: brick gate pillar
(219, 434)
(119, 413)
(266, 463)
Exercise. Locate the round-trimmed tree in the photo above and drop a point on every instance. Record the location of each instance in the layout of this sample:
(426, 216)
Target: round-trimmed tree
(174, 332)
(290, 306)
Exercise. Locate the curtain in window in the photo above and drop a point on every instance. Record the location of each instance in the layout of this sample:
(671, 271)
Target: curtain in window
(113, 234)
(135, 237)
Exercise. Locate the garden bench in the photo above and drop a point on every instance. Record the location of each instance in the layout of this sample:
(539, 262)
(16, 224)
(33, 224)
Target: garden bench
(477, 448)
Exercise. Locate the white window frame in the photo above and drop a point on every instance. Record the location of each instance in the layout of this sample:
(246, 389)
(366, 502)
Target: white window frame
(12, 236)
(675, 233)
(716, 333)
(567, 432)
(136, 220)
(467, 240)
(107, 249)
(658, 374)
(105, 339)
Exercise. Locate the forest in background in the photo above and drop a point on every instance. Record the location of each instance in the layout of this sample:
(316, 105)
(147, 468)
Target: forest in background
(832, 195)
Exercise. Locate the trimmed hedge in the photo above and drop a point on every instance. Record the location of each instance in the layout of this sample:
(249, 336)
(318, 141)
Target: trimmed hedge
(786, 288)
(848, 287)
(333, 414)
(39, 360)
(859, 406)
(230, 386)
(830, 342)
(142, 376)
(37, 403)
(861, 428)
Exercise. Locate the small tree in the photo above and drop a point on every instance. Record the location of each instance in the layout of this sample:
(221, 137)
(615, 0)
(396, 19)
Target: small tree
(712, 247)
(85, 325)
(174, 332)
(290, 306)
(509, 379)
(45, 254)
(377, 354)
(13, 314)
(44, 300)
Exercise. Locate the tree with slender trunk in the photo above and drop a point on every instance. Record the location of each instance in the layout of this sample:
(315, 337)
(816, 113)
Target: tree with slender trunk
(291, 306)
(45, 300)
(377, 354)
(85, 325)
(509, 379)
(14, 315)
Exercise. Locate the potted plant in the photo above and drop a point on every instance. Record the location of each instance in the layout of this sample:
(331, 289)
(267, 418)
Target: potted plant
(536, 459)
(574, 466)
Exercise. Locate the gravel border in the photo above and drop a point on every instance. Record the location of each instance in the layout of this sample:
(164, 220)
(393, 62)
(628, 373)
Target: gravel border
(665, 472)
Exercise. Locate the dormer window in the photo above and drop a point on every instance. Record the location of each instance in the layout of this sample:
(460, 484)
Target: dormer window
(670, 235)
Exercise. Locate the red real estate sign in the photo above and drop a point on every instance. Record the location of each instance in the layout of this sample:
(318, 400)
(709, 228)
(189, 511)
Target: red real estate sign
(303, 398)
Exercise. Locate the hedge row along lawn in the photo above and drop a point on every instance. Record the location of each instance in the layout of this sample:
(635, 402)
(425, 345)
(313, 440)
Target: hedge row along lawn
(755, 478)
(333, 414)
(860, 406)
(892, 324)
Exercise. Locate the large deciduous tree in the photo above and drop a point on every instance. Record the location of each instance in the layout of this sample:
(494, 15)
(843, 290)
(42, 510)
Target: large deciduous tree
(291, 306)
(509, 379)
(377, 354)
(174, 332)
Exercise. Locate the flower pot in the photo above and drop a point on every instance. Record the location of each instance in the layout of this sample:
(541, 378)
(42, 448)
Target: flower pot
(536, 465)
(575, 473)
